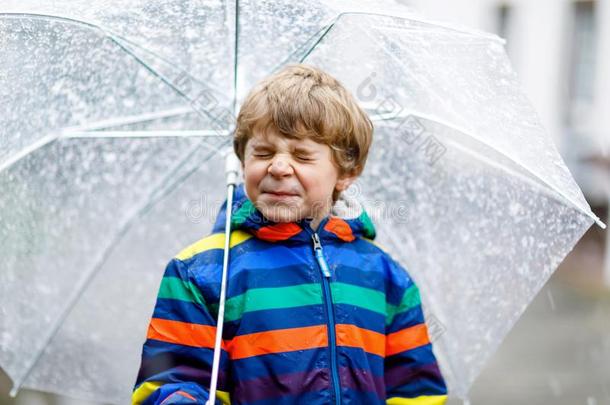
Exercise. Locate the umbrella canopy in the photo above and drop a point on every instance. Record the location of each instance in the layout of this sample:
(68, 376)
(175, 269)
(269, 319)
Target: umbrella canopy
(110, 164)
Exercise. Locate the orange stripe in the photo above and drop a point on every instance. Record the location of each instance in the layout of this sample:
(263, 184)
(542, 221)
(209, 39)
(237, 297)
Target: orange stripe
(353, 336)
(172, 397)
(182, 333)
(340, 228)
(277, 341)
(187, 395)
(407, 339)
(279, 231)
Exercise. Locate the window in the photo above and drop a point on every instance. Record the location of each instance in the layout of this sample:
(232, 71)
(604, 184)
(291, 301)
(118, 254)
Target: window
(503, 19)
(504, 14)
(582, 61)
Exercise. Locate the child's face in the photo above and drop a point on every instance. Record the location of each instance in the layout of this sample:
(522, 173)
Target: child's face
(301, 170)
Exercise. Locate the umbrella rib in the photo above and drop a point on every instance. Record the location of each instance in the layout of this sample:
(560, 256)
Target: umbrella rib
(92, 131)
(49, 139)
(168, 133)
(423, 21)
(130, 119)
(235, 57)
(123, 44)
(476, 138)
(46, 140)
(471, 135)
(461, 30)
(398, 61)
(325, 31)
(117, 39)
(160, 190)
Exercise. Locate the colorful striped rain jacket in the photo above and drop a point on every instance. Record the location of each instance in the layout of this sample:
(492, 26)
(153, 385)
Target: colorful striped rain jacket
(323, 317)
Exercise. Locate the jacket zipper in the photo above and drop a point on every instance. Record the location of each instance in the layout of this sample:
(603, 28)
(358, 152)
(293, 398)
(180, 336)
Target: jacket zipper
(331, 316)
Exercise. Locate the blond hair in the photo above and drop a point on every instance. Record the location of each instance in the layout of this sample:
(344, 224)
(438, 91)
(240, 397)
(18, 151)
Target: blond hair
(301, 101)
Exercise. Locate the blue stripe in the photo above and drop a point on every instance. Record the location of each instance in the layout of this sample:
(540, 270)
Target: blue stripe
(267, 277)
(154, 348)
(356, 358)
(367, 276)
(183, 311)
(410, 317)
(361, 317)
(272, 319)
(162, 361)
(416, 380)
(279, 363)
(174, 269)
(296, 317)
(351, 396)
(418, 356)
(264, 255)
(316, 397)
(359, 246)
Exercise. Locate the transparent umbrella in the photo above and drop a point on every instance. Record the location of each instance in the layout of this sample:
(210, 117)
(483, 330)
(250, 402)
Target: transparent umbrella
(110, 164)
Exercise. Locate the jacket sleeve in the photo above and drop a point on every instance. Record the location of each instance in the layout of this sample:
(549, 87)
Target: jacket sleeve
(412, 374)
(178, 352)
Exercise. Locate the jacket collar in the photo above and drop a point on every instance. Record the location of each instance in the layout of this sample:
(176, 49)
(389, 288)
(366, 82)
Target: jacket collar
(347, 221)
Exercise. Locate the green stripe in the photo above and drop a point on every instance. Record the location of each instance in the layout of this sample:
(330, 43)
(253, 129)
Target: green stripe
(240, 216)
(369, 228)
(175, 288)
(409, 300)
(358, 296)
(258, 299)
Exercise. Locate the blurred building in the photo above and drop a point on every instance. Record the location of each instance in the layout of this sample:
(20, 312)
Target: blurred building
(561, 52)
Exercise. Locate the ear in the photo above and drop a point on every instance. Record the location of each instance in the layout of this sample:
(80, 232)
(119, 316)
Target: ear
(344, 182)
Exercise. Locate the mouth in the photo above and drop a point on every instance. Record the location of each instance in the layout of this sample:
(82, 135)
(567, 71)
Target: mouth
(280, 195)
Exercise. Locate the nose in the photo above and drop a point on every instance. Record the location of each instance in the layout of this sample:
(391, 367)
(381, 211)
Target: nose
(280, 166)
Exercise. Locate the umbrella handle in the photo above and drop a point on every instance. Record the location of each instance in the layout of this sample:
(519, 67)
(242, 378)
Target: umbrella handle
(232, 165)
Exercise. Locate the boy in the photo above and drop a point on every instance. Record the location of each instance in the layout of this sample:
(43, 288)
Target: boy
(316, 313)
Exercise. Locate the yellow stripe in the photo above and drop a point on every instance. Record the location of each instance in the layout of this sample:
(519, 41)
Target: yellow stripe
(224, 397)
(149, 387)
(423, 400)
(144, 392)
(215, 241)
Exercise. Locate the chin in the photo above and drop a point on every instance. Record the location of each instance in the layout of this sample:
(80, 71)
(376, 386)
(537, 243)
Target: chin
(281, 214)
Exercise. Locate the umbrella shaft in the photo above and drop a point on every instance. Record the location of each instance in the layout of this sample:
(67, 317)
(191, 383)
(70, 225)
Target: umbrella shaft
(222, 299)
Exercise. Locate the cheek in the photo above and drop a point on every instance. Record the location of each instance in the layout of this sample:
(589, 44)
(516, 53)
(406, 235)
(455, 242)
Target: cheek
(253, 171)
(319, 179)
